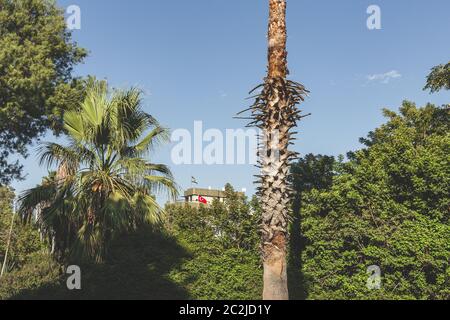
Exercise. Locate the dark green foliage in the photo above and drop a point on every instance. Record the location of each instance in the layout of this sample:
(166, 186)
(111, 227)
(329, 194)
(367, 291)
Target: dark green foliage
(439, 78)
(207, 253)
(24, 240)
(28, 265)
(231, 274)
(36, 61)
(137, 267)
(39, 271)
(310, 172)
(388, 206)
(223, 241)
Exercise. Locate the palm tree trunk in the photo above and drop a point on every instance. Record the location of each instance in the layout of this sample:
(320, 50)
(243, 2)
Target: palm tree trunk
(274, 189)
(53, 248)
(5, 260)
(277, 39)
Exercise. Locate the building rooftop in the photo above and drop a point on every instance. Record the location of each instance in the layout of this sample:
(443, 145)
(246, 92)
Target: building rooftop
(204, 192)
(207, 193)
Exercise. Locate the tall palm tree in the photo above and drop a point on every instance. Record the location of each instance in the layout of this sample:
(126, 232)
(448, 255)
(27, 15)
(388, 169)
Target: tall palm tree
(275, 113)
(104, 185)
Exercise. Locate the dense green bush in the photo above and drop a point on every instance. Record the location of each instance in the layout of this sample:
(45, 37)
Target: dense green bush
(387, 206)
(24, 239)
(223, 243)
(38, 272)
(28, 266)
(233, 274)
(136, 267)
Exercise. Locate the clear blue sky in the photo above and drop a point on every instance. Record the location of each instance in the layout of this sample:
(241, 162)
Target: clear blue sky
(197, 60)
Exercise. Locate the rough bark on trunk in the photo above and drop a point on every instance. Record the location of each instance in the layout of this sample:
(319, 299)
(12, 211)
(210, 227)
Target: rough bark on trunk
(275, 166)
(277, 37)
(275, 112)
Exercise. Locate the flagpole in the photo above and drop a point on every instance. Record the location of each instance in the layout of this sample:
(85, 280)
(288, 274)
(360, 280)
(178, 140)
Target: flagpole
(5, 260)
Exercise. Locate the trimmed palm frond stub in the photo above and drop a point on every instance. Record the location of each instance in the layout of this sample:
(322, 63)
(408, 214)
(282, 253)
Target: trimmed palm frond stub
(276, 114)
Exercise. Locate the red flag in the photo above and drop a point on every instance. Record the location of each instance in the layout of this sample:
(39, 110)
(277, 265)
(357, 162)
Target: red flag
(202, 200)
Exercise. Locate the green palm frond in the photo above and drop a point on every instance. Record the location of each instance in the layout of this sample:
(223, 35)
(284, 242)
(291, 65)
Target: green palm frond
(34, 198)
(54, 154)
(74, 125)
(149, 208)
(156, 137)
(159, 169)
(104, 185)
(159, 184)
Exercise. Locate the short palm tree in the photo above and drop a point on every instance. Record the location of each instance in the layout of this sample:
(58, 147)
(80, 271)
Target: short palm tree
(103, 185)
(275, 113)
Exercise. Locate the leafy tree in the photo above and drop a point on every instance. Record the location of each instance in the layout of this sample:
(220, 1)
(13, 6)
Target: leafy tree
(231, 224)
(104, 185)
(439, 78)
(36, 87)
(235, 221)
(311, 172)
(388, 206)
(222, 240)
(39, 271)
(29, 265)
(202, 253)
(24, 240)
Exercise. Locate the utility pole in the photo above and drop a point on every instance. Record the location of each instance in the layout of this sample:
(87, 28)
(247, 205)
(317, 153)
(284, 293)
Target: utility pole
(5, 260)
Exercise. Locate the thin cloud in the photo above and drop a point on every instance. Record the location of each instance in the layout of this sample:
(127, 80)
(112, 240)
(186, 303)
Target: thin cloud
(384, 77)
